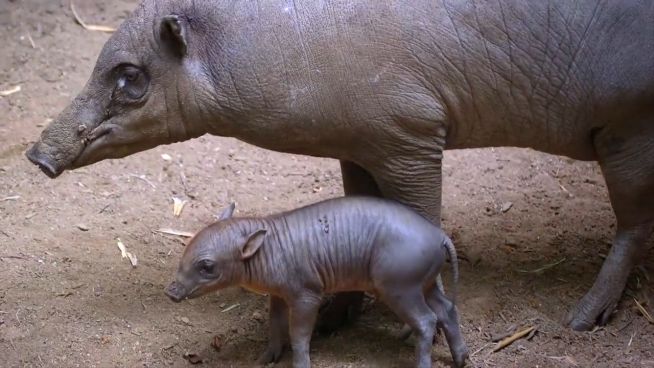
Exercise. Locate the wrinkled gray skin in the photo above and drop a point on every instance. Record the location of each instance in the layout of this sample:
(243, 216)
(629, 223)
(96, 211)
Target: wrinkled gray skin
(386, 87)
(343, 244)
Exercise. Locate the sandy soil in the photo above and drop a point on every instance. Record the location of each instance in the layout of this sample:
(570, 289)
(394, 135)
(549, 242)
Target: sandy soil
(67, 299)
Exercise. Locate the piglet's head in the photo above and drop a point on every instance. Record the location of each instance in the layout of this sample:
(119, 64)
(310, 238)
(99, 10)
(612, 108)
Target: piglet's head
(215, 258)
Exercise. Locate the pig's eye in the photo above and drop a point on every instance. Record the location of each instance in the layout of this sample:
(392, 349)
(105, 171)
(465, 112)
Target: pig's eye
(132, 82)
(205, 267)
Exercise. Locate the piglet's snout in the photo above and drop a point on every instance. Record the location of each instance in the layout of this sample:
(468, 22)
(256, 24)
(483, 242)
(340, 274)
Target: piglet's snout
(175, 292)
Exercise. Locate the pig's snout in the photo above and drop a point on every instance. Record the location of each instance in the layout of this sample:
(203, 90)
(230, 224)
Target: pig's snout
(175, 292)
(43, 161)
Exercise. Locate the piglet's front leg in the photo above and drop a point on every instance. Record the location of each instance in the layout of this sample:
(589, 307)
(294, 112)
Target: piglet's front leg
(302, 313)
(278, 337)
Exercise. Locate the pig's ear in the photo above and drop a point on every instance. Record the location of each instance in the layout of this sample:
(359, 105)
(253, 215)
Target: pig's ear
(252, 245)
(227, 212)
(173, 34)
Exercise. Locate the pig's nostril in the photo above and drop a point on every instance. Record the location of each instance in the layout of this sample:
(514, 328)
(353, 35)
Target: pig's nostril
(173, 292)
(42, 163)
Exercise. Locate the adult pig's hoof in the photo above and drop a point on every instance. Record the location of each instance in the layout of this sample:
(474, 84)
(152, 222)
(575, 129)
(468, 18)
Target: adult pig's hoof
(271, 355)
(594, 308)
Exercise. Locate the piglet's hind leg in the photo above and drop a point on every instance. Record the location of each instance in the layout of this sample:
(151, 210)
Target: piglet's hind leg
(409, 304)
(448, 320)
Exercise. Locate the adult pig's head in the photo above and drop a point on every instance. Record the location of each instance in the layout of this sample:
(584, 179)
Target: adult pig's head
(215, 258)
(144, 91)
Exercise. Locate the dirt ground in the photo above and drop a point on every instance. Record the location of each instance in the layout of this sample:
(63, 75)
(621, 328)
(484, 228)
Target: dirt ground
(67, 299)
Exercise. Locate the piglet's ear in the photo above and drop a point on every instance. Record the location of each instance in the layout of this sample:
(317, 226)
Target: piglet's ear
(173, 34)
(252, 245)
(227, 212)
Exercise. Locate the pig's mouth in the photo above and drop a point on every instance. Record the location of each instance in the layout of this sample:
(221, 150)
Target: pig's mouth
(92, 142)
(175, 294)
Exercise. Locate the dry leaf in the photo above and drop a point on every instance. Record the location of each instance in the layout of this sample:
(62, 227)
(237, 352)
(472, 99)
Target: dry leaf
(217, 342)
(125, 254)
(178, 206)
(10, 91)
(89, 27)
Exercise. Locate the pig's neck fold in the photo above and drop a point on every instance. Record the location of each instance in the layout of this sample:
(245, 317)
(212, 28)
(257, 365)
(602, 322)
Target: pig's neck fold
(266, 271)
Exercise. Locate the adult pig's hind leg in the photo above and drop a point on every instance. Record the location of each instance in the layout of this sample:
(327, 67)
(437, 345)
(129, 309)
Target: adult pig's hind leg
(626, 156)
(448, 321)
(343, 307)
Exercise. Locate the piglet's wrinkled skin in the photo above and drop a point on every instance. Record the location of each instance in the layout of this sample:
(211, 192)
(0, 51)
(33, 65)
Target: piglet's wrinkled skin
(339, 245)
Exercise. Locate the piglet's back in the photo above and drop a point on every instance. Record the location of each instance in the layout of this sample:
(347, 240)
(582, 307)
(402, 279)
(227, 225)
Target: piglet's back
(335, 239)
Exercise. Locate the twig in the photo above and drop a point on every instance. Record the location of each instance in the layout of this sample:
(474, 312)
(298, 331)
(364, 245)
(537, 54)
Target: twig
(31, 40)
(511, 339)
(10, 198)
(644, 312)
(185, 234)
(631, 340)
(104, 208)
(546, 267)
(15, 257)
(142, 177)
(10, 91)
(230, 308)
(480, 349)
(89, 27)
(625, 325)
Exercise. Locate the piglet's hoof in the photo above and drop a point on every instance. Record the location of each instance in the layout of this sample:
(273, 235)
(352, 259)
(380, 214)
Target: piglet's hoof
(460, 356)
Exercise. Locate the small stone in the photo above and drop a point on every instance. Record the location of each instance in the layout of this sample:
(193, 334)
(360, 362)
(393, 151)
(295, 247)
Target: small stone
(82, 227)
(185, 320)
(257, 316)
(506, 207)
(193, 358)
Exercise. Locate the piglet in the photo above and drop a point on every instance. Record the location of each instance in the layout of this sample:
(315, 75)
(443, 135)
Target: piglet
(342, 244)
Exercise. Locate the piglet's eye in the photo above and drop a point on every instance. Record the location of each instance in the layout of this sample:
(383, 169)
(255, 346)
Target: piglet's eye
(206, 267)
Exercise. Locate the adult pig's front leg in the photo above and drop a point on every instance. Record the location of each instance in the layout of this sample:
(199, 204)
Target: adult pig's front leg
(626, 155)
(414, 179)
(343, 307)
